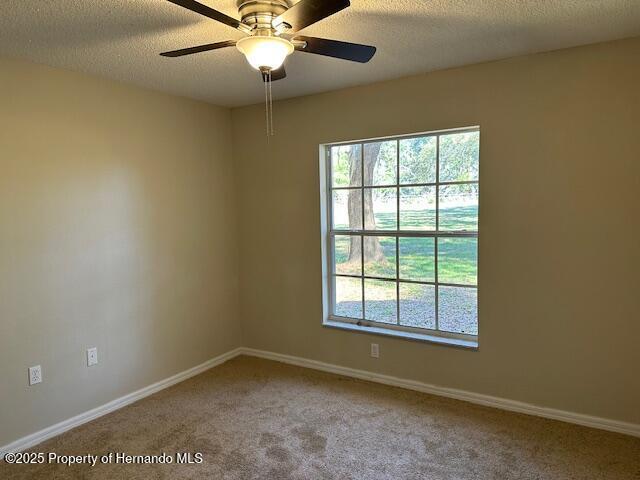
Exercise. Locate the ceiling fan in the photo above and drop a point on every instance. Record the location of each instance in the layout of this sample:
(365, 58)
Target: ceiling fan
(271, 27)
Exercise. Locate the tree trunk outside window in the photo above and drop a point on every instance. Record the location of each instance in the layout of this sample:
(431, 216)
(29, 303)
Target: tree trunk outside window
(372, 248)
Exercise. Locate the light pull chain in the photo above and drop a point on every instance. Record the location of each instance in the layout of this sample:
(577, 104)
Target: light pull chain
(271, 132)
(266, 101)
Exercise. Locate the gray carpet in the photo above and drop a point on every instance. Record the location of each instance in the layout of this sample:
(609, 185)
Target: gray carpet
(256, 419)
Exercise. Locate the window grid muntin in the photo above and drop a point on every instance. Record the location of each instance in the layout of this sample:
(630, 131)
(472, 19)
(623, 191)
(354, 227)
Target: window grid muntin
(436, 234)
(410, 185)
(397, 228)
(436, 240)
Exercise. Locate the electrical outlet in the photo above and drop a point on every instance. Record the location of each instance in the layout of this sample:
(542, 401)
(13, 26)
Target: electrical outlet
(375, 350)
(92, 356)
(35, 374)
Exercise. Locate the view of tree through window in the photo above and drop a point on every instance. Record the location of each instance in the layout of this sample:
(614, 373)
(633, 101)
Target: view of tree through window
(403, 232)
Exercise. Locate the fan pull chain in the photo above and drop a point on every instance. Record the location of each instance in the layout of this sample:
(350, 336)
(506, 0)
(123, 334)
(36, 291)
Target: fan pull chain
(268, 101)
(270, 106)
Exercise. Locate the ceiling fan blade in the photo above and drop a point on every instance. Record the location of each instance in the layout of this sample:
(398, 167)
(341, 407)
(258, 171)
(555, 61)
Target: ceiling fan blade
(277, 74)
(199, 48)
(306, 12)
(209, 12)
(336, 49)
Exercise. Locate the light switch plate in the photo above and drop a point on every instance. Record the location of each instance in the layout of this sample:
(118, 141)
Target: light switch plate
(92, 356)
(375, 350)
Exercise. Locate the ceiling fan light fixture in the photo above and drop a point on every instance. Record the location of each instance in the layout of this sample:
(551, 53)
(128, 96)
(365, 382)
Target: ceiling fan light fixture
(265, 51)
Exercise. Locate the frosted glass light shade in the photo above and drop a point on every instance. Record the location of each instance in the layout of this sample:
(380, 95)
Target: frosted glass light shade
(266, 52)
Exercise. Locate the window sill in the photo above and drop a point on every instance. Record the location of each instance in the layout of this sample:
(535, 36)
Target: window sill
(420, 337)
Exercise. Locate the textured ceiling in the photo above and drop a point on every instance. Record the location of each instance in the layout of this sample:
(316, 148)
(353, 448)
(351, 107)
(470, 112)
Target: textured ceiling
(121, 39)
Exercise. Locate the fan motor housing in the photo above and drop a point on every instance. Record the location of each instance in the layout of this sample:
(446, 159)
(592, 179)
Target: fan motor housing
(258, 14)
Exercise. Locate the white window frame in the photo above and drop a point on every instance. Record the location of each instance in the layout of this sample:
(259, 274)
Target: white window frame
(328, 294)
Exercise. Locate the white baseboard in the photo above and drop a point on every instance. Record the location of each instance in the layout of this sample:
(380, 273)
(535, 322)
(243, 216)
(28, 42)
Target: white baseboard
(49, 432)
(477, 398)
(486, 400)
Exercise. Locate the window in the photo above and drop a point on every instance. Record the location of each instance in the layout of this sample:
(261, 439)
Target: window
(400, 221)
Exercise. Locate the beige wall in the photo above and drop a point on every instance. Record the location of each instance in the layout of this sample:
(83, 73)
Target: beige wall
(559, 235)
(117, 230)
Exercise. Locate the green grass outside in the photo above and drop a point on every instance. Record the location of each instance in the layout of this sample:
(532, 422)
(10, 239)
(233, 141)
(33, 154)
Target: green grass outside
(457, 256)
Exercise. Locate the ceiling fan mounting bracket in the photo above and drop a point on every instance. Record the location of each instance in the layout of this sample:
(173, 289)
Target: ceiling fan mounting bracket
(259, 14)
